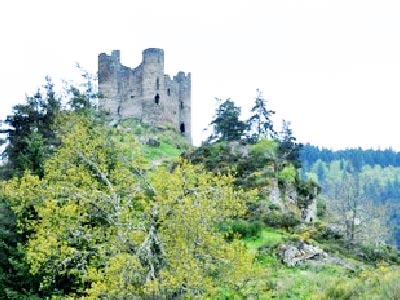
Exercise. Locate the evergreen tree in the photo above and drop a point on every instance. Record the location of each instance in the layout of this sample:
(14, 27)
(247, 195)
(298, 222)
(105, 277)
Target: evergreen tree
(15, 280)
(30, 132)
(288, 150)
(260, 122)
(226, 123)
(83, 98)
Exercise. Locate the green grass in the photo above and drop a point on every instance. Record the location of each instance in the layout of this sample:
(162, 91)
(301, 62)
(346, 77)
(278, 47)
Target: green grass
(267, 236)
(301, 282)
(296, 283)
(165, 150)
(171, 142)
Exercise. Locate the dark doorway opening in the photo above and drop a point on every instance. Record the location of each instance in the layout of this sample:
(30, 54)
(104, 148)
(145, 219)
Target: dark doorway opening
(169, 92)
(157, 98)
(182, 127)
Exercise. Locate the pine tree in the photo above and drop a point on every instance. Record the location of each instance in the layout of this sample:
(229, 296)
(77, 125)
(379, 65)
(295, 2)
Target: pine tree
(288, 150)
(226, 124)
(260, 123)
(30, 132)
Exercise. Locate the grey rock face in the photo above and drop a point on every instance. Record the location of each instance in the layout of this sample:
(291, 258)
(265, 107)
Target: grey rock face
(274, 195)
(291, 256)
(145, 92)
(237, 149)
(153, 142)
(299, 254)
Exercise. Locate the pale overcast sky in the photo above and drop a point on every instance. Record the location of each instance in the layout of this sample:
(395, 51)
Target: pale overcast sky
(332, 68)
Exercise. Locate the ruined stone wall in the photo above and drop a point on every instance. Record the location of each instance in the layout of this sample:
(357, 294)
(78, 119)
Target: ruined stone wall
(145, 92)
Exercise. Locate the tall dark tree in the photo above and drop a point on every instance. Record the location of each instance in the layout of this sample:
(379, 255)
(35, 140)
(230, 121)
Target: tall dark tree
(15, 280)
(260, 123)
(288, 149)
(226, 124)
(30, 133)
(84, 97)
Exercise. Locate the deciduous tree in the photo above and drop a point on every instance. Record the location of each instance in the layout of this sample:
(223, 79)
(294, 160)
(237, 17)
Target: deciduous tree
(102, 223)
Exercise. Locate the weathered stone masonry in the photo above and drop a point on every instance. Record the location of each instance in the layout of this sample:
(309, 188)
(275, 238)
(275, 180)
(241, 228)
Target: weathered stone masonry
(145, 92)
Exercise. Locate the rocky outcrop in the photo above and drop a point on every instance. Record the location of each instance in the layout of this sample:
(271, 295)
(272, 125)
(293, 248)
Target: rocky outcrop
(238, 149)
(296, 254)
(275, 195)
(287, 199)
(153, 142)
(290, 194)
(309, 213)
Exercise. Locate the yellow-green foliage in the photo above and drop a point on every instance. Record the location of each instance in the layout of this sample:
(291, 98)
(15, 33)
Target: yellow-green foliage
(101, 224)
(378, 283)
(105, 223)
(190, 203)
(264, 149)
(287, 174)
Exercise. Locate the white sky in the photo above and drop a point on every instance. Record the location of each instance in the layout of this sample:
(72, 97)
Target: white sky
(332, 68)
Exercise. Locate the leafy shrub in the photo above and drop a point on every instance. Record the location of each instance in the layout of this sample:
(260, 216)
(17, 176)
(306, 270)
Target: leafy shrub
(321, 207)
(328, 232)
(287, 174)
(278, 219)
(382, 282)
(373, 254)
(244, 229)
(273, 207)
(390, 290)
(343, 290)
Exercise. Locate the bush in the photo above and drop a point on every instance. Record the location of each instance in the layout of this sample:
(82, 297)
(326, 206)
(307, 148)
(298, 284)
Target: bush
(287, 175)
(374, 254)
(321, 207)
(377, 283)
(273, 207)
(329, 232)
(390, 290)
(278, 219)
(343, 290)
(242, 228)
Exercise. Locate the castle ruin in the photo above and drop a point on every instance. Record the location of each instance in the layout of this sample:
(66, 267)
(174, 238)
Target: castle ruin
(145, 93)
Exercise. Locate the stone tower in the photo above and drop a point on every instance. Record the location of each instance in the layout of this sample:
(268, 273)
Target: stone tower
(145, 92)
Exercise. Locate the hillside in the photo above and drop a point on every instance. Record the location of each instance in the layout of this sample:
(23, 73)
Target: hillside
(377, 174)
(93, 208)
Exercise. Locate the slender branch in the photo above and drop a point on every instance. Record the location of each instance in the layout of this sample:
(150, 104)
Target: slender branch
(103, 178)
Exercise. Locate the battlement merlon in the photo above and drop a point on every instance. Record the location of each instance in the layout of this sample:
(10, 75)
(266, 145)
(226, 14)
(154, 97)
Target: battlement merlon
(113, 58)
(153, 56)
(116, 55)
(182, 78)
(108, 65)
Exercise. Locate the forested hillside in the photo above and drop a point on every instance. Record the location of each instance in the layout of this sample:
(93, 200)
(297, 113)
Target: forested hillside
(93, 208)
(384, 158)
(375, 175)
